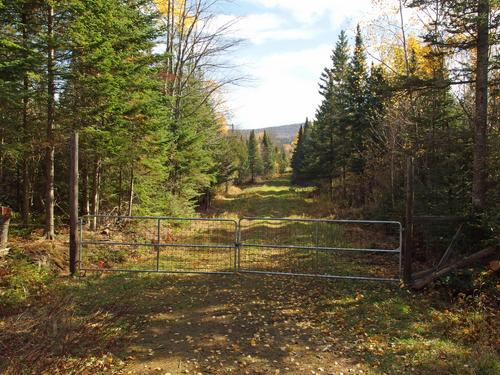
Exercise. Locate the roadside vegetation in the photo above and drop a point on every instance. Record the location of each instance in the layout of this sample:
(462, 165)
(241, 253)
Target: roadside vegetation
(121, 323)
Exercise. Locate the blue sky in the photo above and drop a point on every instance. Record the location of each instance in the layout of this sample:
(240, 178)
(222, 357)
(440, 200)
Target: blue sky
(287, 45)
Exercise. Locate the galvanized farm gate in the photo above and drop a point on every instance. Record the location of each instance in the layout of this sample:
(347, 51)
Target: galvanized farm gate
(158, 244)
(349, 249)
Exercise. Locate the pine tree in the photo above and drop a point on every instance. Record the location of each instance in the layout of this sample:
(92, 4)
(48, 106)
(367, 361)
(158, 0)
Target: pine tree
(254, 159)
(299, 154)
(283, 162)
(357, 105)
(268, 155)
(467, 25)
(329, 143)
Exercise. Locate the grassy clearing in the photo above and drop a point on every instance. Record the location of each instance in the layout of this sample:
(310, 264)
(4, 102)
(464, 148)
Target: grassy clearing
(212, 324)
(276, 198)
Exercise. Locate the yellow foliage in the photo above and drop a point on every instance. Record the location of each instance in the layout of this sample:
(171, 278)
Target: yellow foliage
(177, 10)
(422, 63)
(222, 123)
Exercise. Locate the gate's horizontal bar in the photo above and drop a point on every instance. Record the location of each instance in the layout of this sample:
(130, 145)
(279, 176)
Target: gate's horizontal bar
(397, 251)
(162, 218)
(319, 275)
(157, 271)
(321, 220)
(85, 242)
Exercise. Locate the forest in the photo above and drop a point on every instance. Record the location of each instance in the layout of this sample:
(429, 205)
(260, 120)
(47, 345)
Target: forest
(141, 232)
(152, 136)
(432, 99)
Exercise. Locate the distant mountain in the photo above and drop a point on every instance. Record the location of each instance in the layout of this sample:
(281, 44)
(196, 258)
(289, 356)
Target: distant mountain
(281, 135)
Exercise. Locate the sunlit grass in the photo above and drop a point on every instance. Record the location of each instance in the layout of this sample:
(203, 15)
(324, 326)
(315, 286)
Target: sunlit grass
(378, 326)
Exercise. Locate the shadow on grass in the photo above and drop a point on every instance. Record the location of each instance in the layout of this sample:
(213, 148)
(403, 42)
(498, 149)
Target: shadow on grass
(255, 323)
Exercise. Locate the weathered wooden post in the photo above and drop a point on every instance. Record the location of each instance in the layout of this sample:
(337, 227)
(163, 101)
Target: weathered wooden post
(73, 204)
(408, 238)
(4, 235)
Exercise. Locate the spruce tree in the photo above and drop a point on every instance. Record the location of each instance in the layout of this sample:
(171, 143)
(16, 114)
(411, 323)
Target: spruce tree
(254, 159)
(299, 154)
(357, 105)
(268, 155)
(329, 142)
(283, 162)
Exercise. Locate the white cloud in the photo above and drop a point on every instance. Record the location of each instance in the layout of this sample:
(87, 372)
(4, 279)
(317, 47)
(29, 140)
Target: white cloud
(263, 27)
(286, 85)
(284, 91)
(307, 11)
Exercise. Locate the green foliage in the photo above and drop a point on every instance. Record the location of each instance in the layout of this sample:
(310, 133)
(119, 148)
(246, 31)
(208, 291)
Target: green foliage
(141, 147)
(254, 158)
(370, 120)
(268, 156)
(21, 280)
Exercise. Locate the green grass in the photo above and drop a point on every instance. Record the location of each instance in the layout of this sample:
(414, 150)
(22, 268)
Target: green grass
(375, 327)
(276, 198)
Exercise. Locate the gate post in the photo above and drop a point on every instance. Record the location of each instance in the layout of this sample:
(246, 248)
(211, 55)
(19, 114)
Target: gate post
(237, 247)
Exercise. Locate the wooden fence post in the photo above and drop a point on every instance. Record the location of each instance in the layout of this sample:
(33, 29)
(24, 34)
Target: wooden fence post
(408, 230)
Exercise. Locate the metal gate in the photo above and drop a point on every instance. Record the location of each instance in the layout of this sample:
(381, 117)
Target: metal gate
(157, 244)
(350, 249)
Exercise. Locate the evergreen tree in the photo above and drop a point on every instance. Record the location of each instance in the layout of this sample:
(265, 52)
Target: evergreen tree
(283, 162)
(299, 154)
(469, 26)
(254, 159)
(329, 142)
(358, 105)
(90, 65)
(240, 149)
(268, 155)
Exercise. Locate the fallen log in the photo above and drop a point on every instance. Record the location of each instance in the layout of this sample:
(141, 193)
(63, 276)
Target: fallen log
(426, 280)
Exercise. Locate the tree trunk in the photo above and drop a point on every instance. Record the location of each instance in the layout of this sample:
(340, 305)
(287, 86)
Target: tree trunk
(120, 183)
(330, 188)
(393, 199)
(131, 193)
(408, 230)
(49, 158)
(481, 110)
(73, 201)
(2, 141)
(19, 187)
(96, 185)
(26, 208)
(85, 189)
(344, 190)
(425, 280)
